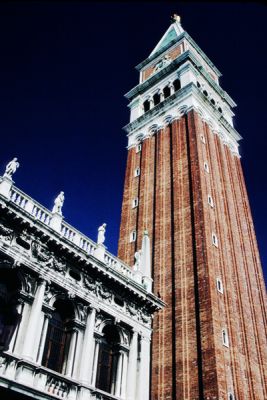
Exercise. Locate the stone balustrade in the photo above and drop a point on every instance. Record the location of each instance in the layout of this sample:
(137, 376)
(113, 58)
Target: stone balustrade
(44, 381)
(38, 212)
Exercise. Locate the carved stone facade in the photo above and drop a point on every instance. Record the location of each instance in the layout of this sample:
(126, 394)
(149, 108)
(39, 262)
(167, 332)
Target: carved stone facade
(83, 316)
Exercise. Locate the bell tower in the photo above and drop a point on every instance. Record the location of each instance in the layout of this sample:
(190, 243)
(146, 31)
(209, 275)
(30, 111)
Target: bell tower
(184, 185)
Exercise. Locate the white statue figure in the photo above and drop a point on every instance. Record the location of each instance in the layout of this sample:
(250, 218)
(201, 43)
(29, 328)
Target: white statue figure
(11, 168)
(101, 234)
(137, 257)
(58, 203)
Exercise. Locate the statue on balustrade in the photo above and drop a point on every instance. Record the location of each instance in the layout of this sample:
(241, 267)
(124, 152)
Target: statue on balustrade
(11, 168)
(101, 234)
(58, 203)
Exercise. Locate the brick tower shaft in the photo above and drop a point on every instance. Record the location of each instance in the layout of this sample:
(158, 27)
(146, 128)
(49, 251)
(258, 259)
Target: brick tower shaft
(184, 185)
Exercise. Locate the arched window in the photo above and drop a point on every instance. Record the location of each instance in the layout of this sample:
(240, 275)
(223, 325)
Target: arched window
(146, 105)
(156, 99)
(9, 316)
(108, 360)
(166, 92)
(58, 336)
(177, 85)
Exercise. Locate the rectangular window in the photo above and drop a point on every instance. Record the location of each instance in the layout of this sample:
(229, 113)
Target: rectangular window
(135, 202)
(138, 148)
(225, 338)
(219, 285)
(137, 171)
(214, 239)
(210, 201)
(202, 138)
(133, 236)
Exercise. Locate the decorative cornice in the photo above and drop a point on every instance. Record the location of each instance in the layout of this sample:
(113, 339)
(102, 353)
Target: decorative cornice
(173, 101)
(174, 65)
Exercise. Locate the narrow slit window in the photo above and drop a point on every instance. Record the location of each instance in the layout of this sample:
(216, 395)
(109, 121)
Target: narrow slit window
(231, 396)
(214, 239)
(219, 285)
(133, 236)
(202, 138)
(210, 201)
(225, 338)
(137, 171)
(135, 202)
(206, 167)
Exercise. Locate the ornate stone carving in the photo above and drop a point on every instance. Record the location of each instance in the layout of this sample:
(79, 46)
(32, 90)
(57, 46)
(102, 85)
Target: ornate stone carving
(144, 316)
(47, 258)
(50, 292)
(28, 283)
(97, 287)
(166, 60)
(82, 310)
(125, 337)
(40, 252)
(6, 233)
(102, 291)
(131, 308)
(98, 321)
(89, 283)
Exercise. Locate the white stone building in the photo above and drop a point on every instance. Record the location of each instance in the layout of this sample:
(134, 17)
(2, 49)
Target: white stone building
(75, 321)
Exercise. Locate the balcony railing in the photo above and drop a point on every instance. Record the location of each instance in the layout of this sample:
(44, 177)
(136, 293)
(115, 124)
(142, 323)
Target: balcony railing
(14, 370)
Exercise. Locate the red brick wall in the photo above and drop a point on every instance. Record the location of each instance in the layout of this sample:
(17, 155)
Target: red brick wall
(189, 360)
(174, 53)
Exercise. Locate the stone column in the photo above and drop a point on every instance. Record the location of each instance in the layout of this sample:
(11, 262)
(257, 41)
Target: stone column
(132, 368)
(151, 102)
(32, 338)
(118, 376)
(124, 374)
(143, 382)
(171, 88)
(71, 354)
(78, 354)
(161, 96)
(86, 363)
(96, 353)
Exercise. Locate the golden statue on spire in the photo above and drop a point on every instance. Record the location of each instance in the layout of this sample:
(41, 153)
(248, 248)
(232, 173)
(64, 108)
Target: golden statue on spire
(176, 18)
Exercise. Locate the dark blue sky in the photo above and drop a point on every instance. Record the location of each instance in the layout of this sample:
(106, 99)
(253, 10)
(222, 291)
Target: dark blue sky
(64, 70)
